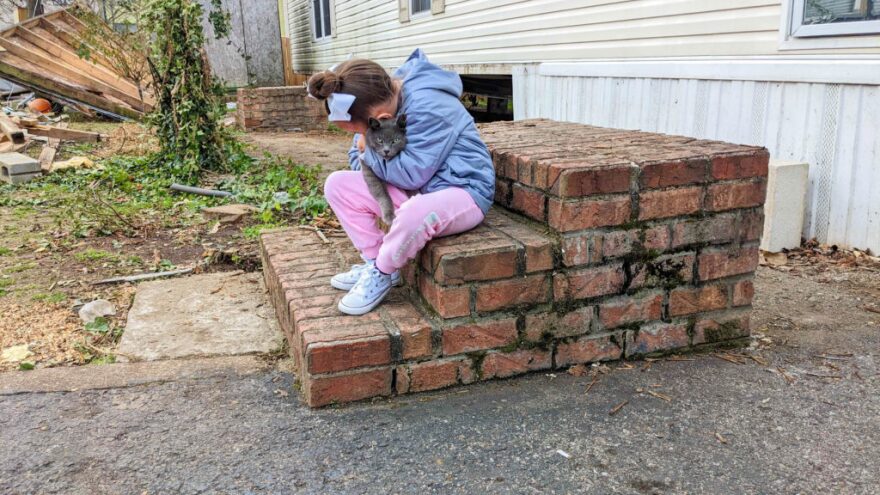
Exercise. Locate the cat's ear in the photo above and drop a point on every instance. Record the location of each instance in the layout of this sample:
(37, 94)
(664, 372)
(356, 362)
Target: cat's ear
(401, 121)
(374, 124)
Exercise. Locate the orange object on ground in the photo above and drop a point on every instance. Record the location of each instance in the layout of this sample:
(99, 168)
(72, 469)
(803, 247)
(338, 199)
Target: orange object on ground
(41, 105)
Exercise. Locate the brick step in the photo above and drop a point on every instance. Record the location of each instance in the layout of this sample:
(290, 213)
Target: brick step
(636, 244)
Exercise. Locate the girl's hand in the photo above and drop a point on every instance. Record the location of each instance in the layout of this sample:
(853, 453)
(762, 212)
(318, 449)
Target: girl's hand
(362, 144)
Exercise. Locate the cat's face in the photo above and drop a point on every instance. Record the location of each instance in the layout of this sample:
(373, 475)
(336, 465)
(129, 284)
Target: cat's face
(387, 137)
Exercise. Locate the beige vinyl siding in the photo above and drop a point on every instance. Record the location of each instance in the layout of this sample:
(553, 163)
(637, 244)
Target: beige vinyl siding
(509, 32)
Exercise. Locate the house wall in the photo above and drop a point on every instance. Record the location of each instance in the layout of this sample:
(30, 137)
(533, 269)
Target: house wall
(504, 32)
(719, 69)
(833, 127)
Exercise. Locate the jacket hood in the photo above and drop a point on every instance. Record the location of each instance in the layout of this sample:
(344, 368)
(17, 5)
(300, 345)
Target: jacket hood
(419, 73)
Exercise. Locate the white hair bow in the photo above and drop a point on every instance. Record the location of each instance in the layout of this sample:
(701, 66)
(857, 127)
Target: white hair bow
(339, 103)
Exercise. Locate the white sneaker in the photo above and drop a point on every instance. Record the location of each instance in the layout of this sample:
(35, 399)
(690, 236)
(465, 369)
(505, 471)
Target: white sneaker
(367, 293)
(345, 281)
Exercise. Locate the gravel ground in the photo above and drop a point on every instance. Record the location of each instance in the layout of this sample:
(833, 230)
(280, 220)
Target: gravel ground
(727, 428)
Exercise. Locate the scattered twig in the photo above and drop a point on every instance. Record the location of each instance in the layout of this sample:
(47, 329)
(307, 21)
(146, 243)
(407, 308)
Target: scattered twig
(590, 385)
(729, 358)
(818, 375)
(317, 231)
(94, 188)
(108, 352)
(873, 310)
(143, 276)
(617, 408)
(788, 378)
(678, 358)
(659, 395)
(720, 438)
(759, 360)
(830, 358)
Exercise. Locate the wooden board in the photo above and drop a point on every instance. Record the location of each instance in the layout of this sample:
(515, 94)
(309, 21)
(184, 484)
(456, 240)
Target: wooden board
(43, 54)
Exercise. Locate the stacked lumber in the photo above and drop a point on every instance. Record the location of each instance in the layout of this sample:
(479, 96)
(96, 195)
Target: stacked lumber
(42, 54)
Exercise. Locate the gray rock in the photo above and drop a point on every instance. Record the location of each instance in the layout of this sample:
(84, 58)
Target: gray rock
(95, 309)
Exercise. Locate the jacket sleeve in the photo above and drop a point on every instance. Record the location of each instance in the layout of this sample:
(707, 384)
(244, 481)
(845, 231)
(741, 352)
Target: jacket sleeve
(429, 137)
(353, 153)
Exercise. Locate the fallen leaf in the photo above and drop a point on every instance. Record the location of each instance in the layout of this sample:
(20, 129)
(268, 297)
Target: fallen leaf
(578, 370)
(16, 353)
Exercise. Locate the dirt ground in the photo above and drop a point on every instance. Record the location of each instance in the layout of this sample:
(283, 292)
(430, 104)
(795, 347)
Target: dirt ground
(47, 270)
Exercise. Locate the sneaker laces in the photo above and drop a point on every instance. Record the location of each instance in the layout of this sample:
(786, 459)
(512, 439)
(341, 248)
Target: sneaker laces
(368, 282)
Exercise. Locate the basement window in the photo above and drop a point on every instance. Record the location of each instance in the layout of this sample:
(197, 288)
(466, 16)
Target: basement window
(814, 18)
(321, 16)
(420, 7)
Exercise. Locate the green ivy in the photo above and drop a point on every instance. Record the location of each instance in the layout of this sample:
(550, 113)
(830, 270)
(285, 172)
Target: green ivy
(188, 99)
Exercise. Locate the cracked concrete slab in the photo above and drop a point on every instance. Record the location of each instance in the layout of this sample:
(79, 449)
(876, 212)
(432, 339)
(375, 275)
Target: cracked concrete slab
(213, 314)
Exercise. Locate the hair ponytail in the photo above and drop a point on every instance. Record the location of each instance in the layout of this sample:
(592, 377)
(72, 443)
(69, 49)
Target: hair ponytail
(366, 80)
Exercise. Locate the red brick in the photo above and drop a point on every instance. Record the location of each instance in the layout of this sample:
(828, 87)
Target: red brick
(752, 226)
(502, 192)
(625, 310)
(543, 326)
(415, 331)
(348, 354)
(743, 293)
(432, 375)
(531, 289)
(401, 382)
(323, 390)
(740, 166)
(593, 180)
(466, 372)
(470, 266)
(670, 203)
(678, 268)
(531, 202)
(581, 249)
(722, 197)
(656, 338)
(472, 337)
(657, 238)
(686, 301)
(503, 365)
(717, 229)
(538, 247)
(619, 243)
(677, 173)
(448, 302)
(588, 350)
(727, 263)
(588, 282)
(721, 328)
(586, 214)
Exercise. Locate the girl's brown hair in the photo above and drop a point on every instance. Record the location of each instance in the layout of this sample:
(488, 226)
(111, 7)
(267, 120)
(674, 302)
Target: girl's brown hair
(365, 79)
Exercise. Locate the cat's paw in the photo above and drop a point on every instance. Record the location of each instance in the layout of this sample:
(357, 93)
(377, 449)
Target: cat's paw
(388, 218)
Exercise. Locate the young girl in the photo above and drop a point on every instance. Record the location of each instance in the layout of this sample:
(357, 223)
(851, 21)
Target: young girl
(442, 183)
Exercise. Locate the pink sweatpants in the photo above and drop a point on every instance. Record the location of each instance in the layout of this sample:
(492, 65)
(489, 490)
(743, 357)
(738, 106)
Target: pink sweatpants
(418, 219)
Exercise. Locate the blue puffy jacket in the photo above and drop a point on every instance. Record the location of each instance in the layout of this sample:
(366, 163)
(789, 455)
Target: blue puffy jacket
(443, 147)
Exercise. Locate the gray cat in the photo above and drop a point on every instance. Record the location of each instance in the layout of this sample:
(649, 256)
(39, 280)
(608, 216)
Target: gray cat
(387, 137)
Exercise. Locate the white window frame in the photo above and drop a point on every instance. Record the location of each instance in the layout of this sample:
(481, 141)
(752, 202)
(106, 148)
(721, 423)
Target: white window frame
(324, 36)
(405, 10)
(418, 15)
(795, 35)
(801, 30)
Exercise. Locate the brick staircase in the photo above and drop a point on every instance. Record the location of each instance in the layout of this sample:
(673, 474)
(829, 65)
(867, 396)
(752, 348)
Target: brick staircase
(604, 244)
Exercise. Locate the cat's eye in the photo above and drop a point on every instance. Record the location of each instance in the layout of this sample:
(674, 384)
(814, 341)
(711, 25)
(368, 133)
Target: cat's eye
(378, 140)
(396, 140)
